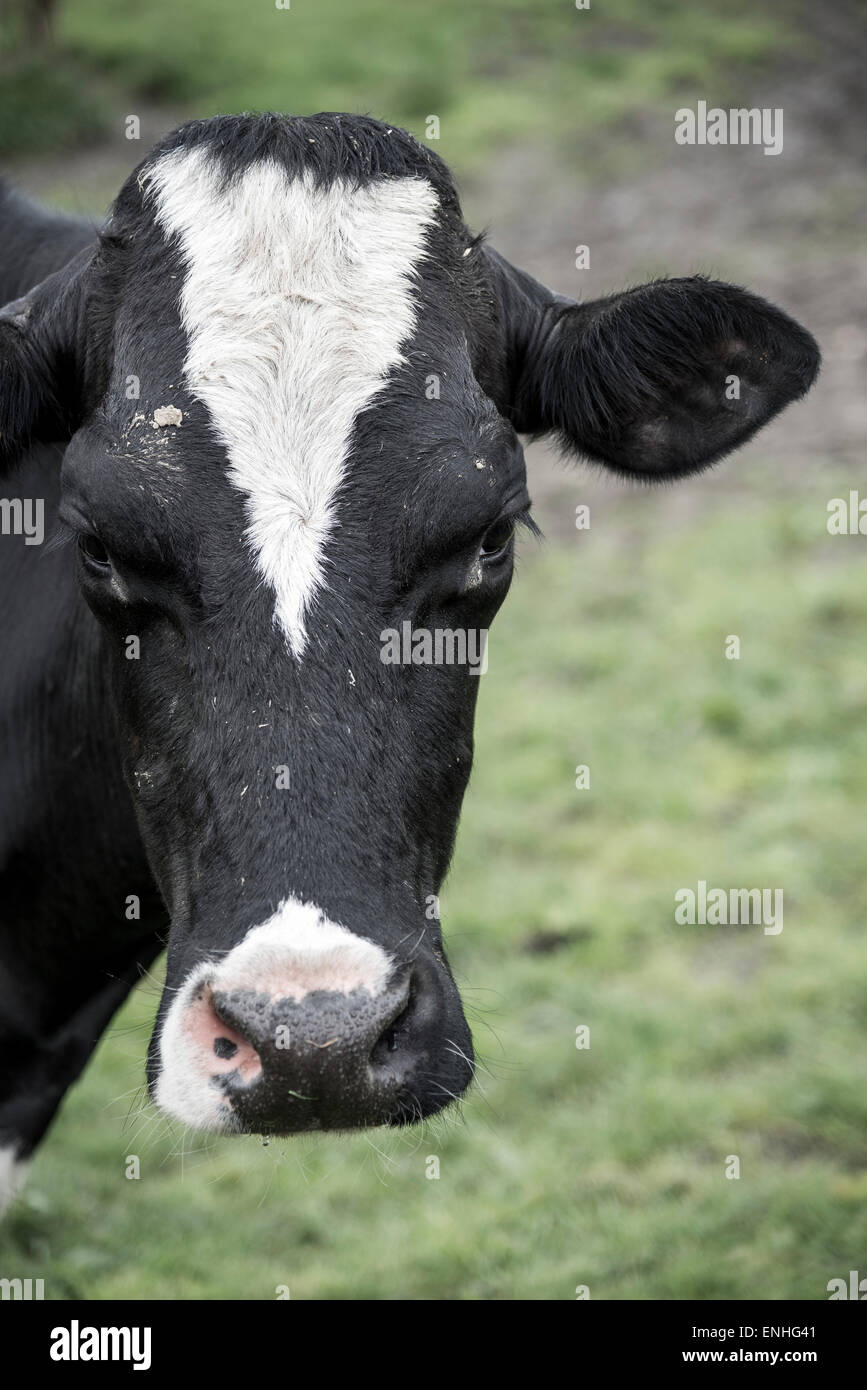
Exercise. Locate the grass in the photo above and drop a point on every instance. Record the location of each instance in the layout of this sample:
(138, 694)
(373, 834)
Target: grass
(495, 72)
(603, 1166)
(49, 107)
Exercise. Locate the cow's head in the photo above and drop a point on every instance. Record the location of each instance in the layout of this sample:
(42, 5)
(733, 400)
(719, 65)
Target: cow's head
(293, 384)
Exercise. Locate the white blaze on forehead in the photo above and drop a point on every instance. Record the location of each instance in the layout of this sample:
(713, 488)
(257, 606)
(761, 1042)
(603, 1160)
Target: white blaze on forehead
(295, 952)
(296, 302)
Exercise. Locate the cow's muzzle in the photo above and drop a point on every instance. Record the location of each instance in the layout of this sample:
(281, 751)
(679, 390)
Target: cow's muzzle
(290, 1034)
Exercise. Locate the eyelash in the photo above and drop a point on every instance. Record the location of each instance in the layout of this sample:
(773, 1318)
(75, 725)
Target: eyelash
(61, 536)
(64, 535)
(521, 519)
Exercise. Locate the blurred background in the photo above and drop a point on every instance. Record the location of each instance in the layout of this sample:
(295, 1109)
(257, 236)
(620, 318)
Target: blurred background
(603, 1166)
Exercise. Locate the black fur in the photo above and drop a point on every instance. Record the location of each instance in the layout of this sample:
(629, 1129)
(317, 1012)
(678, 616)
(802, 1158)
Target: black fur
(639, 380)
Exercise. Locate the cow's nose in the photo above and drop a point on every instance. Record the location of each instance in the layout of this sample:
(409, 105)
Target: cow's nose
(305, 1025)
(329, 1060)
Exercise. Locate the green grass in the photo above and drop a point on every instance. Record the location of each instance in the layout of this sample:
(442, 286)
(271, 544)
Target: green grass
(606, 1166)
(49, 107)
(494, 71)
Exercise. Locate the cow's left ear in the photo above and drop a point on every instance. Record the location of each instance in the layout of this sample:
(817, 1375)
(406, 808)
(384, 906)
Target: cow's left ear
(657, 382)
(43, 351)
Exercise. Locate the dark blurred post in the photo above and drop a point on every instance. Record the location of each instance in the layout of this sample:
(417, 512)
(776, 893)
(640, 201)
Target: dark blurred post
(38, 22)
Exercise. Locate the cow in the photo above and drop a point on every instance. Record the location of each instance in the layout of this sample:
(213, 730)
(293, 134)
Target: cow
(270, 412)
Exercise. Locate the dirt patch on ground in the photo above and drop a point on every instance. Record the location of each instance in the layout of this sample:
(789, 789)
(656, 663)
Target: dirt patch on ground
(791, 227)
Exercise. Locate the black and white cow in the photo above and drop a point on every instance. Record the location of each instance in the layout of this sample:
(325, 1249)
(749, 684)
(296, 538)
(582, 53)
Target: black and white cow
(272, 410)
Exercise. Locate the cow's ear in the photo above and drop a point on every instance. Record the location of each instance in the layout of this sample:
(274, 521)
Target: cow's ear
(42, 353)
(656, 382)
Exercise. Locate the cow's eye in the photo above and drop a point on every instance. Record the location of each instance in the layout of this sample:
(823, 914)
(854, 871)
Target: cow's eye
(94, 554)
(497, 541)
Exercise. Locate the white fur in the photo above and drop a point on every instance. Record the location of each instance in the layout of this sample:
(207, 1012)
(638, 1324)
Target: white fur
(296, 303)
(13, 1171)
(296, 951)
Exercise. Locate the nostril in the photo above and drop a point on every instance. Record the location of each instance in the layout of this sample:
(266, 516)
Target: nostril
(211, 1024)
(394, 1034)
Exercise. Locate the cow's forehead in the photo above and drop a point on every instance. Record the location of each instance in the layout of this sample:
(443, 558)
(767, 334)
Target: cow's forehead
(296, 300)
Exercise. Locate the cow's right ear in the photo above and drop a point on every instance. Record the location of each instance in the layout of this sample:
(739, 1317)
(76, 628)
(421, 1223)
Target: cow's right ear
(42, 358)
(654, 383)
